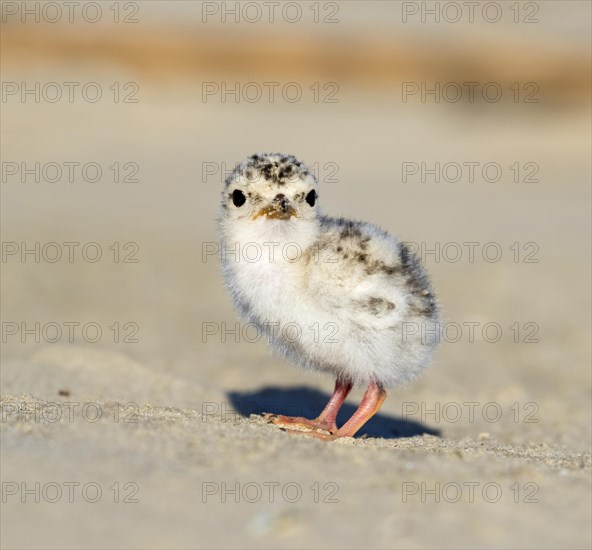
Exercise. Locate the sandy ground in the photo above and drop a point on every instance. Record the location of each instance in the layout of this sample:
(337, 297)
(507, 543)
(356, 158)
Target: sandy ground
(160, 443)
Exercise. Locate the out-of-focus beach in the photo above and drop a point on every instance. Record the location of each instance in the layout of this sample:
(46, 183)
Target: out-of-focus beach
(163, 408)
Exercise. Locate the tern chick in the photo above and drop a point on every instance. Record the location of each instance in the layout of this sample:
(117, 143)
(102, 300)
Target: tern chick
(330, 294)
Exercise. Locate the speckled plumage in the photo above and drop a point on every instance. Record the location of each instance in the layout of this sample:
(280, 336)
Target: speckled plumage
(363, 302)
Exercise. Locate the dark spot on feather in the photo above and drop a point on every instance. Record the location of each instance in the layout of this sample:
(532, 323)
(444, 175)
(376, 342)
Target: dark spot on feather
(350, 232)
(274, 167)
(378, 305)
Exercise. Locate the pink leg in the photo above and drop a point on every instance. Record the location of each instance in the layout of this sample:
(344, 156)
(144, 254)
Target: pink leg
(370, 405)
(325, 421)
(328, 415)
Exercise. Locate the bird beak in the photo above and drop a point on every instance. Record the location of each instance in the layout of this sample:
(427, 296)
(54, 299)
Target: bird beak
(273, 213)
(279, 209)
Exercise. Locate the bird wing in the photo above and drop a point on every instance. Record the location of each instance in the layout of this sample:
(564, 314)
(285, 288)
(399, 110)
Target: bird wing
(361, 271)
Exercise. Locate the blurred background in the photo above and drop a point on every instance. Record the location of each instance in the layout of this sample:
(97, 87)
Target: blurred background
(446, 124)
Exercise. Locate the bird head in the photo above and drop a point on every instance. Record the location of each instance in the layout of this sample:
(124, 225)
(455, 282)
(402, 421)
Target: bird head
(270, 188)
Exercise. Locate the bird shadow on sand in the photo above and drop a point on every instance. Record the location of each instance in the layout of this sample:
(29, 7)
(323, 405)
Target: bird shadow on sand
(309, 402)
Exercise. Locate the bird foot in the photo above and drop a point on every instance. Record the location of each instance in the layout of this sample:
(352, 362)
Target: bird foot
(323, 436)
(300, 425)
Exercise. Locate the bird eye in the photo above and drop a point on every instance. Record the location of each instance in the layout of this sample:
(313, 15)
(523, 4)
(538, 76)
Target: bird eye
(238, 198)
(311, 198)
